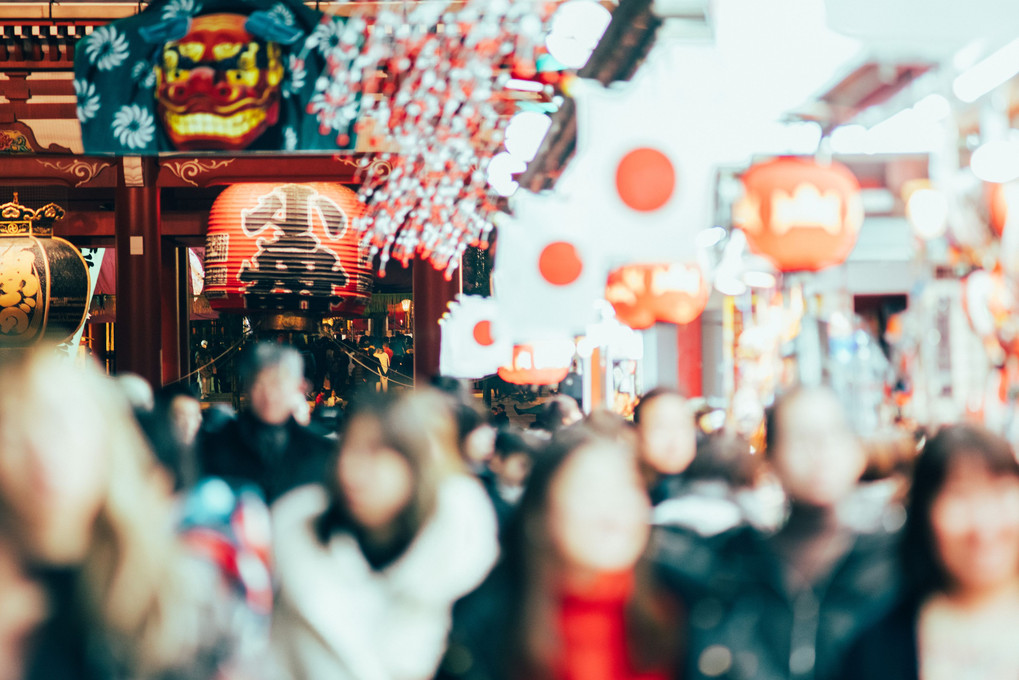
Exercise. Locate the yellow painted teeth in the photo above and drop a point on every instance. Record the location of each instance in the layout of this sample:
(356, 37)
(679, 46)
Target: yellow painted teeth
(211, 125)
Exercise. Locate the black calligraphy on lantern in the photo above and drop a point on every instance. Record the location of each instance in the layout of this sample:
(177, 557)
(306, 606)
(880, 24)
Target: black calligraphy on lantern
(291, 269)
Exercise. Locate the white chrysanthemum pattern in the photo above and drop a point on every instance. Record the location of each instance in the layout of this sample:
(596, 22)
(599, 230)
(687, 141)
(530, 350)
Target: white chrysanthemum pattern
(282, 13)
(297, 75)
(105, 48)
(327, 37)
(88, 100)
(134, 126)
(176, 8)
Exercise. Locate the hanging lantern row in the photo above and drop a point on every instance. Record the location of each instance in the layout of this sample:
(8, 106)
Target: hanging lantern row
(287, 248)
(44, 280)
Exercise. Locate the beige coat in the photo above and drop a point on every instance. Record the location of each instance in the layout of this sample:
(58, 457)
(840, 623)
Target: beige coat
(338, 619)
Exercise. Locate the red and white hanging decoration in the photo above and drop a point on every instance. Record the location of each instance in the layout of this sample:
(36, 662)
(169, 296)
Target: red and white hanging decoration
(441, 112)
(473, 343)
(549, 272)
(642, 176)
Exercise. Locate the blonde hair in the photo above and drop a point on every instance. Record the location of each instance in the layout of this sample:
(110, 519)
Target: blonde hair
(130, 581)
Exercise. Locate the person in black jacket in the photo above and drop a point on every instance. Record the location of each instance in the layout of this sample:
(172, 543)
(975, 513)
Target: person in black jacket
(509, 467)
(786, 606)
(264, 444)
(960, 612)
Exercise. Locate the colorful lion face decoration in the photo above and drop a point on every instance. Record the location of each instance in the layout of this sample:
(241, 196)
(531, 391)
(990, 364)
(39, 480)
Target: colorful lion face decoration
(218, 87)
(216, 75)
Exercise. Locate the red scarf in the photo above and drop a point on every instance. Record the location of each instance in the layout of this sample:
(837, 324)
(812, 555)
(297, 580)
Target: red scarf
(592, 626)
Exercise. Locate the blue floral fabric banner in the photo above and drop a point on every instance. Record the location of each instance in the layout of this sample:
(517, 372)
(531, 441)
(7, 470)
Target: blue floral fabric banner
(214, 75)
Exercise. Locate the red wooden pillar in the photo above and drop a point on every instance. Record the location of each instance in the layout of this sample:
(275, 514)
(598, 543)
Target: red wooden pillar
(174, 309)
(139, 285)
(689, 346)
(432, 294)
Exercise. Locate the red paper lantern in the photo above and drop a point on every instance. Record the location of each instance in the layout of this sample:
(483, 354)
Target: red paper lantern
(538, 364)
(1002, 199)
(799, 214)
(643, 294)
(287, 248)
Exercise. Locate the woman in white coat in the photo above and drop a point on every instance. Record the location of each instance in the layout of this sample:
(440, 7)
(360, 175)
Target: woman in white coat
(370, 564)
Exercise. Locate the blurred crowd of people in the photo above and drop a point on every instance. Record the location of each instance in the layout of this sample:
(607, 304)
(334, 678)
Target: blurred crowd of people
(412, 535)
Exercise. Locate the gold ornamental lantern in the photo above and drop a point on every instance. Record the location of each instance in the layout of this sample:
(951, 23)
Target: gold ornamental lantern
(44, 281)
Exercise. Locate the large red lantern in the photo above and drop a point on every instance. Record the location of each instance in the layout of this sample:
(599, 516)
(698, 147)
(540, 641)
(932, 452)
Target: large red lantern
(799, 214)
(287, 248)
(643, 294)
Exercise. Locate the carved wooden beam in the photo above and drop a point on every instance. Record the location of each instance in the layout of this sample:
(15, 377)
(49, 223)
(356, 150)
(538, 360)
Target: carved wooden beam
(206, 171)
(73, 171)
(93, 224)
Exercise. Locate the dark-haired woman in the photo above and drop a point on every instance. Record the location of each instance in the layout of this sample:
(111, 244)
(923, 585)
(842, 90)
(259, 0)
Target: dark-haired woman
(370, 565)
(572, 599)
(668, 441)
(961, 556)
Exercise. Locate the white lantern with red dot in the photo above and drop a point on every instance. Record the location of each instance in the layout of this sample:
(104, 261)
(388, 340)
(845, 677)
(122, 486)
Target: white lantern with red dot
(642, 177)
(549, 274)
(473, 343)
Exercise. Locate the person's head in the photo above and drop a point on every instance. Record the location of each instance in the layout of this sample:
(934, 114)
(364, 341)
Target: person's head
(513, 456)
(962, 527)
(560, 411)
(137, 391)
(78, 488)
(384, 482)
(184, 411)
(584, 519)
(724, 456)
(668, 434)
(476, 435)
(172, 429)
(585, 509)
(68, 439)
(274, 378)
(456, 389)
(812, 450)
